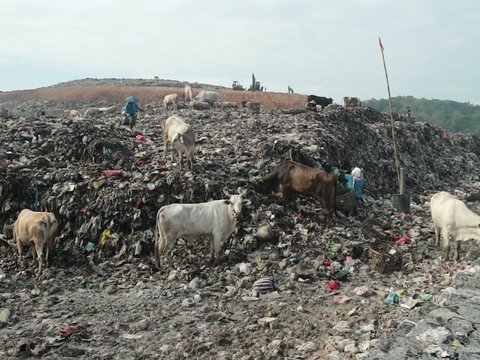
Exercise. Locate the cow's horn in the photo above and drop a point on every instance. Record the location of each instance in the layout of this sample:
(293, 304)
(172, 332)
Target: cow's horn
(226, 192)
(240, 191)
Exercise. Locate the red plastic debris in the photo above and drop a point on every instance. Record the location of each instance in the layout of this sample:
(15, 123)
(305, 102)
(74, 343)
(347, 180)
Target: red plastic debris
(332, 285)
(140, 137)
(402, 239)
(70, 330)
(112, 172)
(327, 262)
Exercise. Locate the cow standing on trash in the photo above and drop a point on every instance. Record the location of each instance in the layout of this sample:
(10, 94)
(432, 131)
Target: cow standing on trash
(291, 177)
(217, 218)
(453, 221)
(37, 229)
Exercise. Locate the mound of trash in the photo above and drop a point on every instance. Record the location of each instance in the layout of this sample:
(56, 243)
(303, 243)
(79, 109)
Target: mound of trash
(97, 174)
(134, 82)
(285, 286)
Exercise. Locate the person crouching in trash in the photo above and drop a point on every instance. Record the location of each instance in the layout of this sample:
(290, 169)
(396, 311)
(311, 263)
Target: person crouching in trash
(356, 182)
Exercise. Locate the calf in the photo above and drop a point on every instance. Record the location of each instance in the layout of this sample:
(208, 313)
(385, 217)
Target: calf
(305, 180)
(318, 100)
(217, 218)
(453, 221)
(170, 99)
(33, 228)
(179, 135)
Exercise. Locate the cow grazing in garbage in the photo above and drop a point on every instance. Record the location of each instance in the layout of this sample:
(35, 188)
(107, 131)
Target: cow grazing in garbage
(217, 218)
(91, 112)
(453, 221)
(208, 96)
(108, 110)
(290, 175)
(34, 228)
(313, 100)
(199, 105)
(188, 94)
(349, 101)
(179, 135)
(74, 114)
(170, 99)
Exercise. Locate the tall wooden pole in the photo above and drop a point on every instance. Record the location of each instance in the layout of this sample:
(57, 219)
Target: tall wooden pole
(397, 164)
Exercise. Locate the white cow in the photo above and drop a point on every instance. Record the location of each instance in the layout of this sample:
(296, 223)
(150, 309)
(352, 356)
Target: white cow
(208, 96)
(454, 221)
(92, 112)
(179, 135)
(75, 114)
(108, 110)
(217, 218)
(170, 99)
(188, 93)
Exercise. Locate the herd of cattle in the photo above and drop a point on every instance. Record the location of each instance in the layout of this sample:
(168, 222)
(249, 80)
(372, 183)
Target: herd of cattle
(206, 99)
(452, 220)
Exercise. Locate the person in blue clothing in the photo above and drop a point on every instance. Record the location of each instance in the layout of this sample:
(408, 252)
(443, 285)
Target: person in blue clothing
(130, 111)
(355, 181)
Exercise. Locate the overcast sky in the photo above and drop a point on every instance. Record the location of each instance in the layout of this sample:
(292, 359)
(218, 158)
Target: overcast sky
(327, 48)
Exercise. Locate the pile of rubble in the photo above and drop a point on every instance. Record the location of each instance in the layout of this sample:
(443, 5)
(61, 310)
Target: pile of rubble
(106, 182)
(135, 82)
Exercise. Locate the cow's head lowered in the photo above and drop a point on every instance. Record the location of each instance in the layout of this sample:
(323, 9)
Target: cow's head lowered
(237, 201)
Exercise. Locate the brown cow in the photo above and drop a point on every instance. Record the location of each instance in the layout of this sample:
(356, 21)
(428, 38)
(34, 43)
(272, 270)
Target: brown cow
(306, 180)
(33, 228)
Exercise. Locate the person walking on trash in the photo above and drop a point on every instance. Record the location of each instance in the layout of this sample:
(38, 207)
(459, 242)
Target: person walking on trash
(130, 110)
(356, 182)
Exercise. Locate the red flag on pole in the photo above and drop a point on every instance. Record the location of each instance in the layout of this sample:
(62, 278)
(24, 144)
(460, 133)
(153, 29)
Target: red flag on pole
(381, 45)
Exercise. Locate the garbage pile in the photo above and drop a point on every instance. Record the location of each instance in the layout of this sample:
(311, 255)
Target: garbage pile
(96, 174)
(134, 82)
(285, 287)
